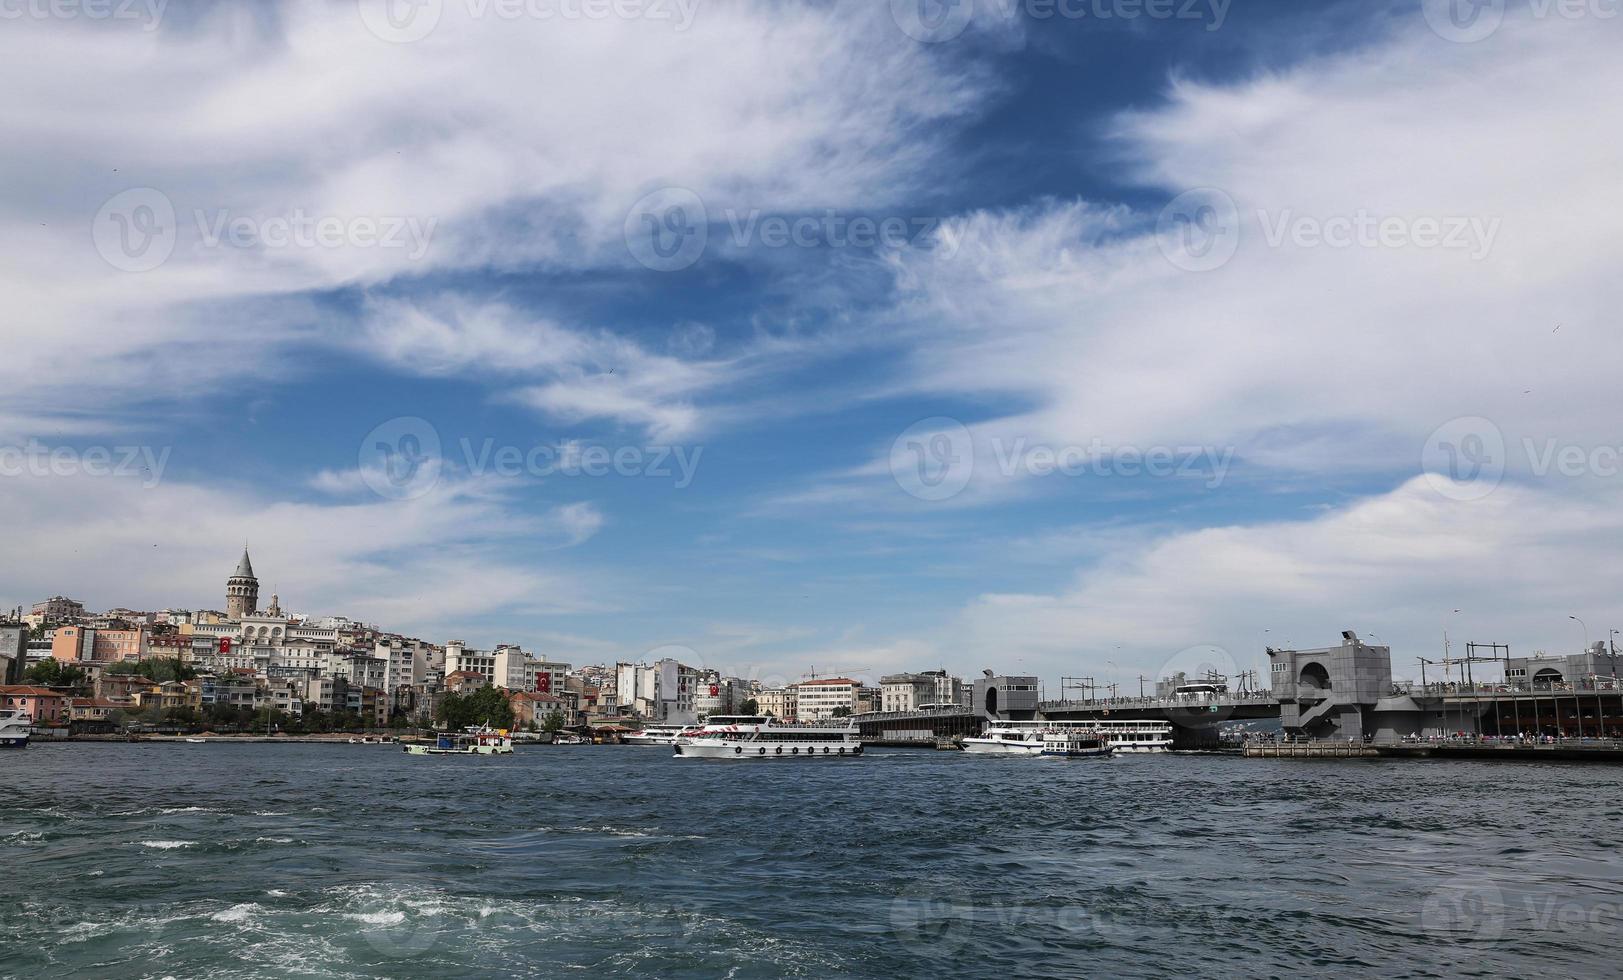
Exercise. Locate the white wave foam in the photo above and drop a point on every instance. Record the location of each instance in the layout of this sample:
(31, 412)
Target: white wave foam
(273, 840)
(390, 918)
(167, 845)
(236, 913)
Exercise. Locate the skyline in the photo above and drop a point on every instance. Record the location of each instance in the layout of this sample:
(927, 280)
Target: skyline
(1046, 346)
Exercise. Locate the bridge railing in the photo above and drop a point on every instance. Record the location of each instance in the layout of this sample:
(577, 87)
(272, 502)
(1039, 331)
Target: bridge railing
(1195, 701)
(1587, 685)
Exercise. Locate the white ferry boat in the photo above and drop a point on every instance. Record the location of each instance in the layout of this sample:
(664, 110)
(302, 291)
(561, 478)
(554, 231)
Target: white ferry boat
(474, 741)
(1075, 745)
(760, 737)
(656, 735)
(15, 730)
(1026, 737)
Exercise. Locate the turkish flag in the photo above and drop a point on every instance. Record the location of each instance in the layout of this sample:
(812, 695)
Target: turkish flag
(715, 690)
(543, 683)
(225, 644)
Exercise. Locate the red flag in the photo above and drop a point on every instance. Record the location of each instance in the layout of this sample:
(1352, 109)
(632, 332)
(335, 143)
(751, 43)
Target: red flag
(225, 644)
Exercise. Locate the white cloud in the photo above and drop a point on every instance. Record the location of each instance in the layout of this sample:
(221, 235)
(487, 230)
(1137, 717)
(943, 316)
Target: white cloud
(1303, 356)
(513, 145)
(1516, 564)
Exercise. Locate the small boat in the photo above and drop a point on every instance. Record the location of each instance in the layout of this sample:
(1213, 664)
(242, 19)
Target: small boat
(1074, 745)
(478, 740)
(760, 737)
(15, 730)
(197, 741)
(655, 735)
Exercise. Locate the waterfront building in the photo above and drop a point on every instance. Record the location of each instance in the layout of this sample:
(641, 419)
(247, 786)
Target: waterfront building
(818, 699)
(41, 705)
(912, 691)
(461, 660)
(530, 709)
(662, 692)
(779, 702)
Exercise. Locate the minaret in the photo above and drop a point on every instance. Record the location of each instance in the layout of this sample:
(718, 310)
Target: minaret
(242, 589)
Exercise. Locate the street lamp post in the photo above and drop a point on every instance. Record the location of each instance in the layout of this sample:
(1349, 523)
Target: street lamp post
(1580, 622)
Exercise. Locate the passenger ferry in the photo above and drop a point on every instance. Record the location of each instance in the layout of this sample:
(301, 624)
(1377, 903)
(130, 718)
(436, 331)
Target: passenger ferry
(761, 737)
(15, 730)
(1075, 745)
(1026, 737)
(656, 735)
(473, 741)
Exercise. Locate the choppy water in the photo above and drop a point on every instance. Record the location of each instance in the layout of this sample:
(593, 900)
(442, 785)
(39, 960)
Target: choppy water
(359, 861)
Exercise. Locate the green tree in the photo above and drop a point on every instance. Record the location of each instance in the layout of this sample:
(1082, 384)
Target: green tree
(486, 706)
(52, 673)
(553, 722)
(842, 712)
(750, 707)
(158, 669)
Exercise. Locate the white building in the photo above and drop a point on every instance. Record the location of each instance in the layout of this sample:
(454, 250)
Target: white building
(910, 692)
(818, 699)
(460, 659)
(662, 692)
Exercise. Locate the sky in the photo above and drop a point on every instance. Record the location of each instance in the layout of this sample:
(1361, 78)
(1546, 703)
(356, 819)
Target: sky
(1095, 338)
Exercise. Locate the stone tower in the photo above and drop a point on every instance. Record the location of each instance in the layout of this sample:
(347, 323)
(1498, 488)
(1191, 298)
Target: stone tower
(242, 590)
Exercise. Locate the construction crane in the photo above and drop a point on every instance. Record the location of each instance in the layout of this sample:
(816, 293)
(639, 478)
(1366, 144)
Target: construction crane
(813, 674)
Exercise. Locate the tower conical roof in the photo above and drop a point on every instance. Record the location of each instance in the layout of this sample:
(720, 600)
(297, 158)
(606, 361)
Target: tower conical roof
(245, 568)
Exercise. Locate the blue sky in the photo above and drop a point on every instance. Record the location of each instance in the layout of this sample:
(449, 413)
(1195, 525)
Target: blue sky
(1328, 404)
